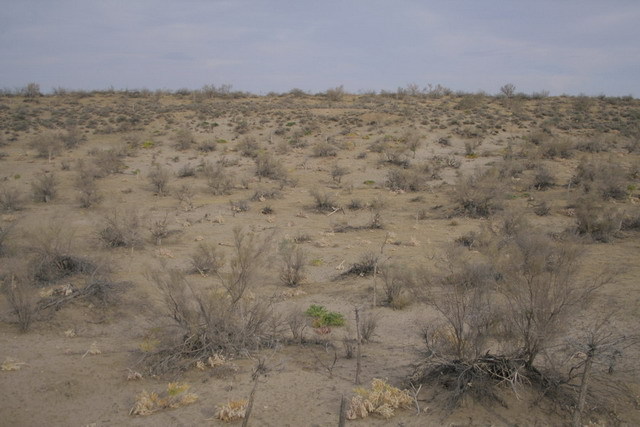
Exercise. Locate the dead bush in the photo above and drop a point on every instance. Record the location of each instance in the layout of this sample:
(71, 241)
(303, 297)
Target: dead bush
(297, 321)
(604, 178)
(249, 147)
(479, 194)
(53, 259)
(86, 185)
(44, 187)
(337, 172)
(293, 263)
(73, 137)
(206, 259)
(47, 144)
(556, 147)
(219, 180)
(268, 166)
(405, 180)
(159, 178)
(10, 199)
(183, 139)
(597, 220)
(108, 161)
(213, 322)
(121, 229)
(324, 149)
(323, 201)
(20, 296)
(5, 234)
(542, 178)
(365, 266)
(398, 282)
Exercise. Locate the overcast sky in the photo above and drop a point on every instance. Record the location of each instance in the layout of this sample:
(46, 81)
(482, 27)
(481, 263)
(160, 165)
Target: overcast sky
(562, 46)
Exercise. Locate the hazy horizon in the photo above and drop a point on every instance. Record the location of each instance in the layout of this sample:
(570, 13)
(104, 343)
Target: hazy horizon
(571, 47)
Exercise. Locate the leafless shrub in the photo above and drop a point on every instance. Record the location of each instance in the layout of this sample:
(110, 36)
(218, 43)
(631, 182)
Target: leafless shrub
(337, 172)
(206, 259)
(405, 180)
(159, 179)
(214, 322)
(72, 137)
(85, 184)
(556, 147)
(44, 187)
(53, 259)
(186, 171)
(262, 194)
(5, 234)
(368, 325)
(297, 322)
(398, 281)
(542, 179)
(605, 178)
(159, 229)
(249, 147)
(268, 166)
(479, 194)
(219, 180)
(323, 201)
(10, 199)
(335, 94)
(183, 139)
(540, 284)
(47, 145)
(108, 161)
(20, 296)
(412, 142)
(602, 223)
(121, 229)
(365, 266)
(293, 263)
(324, 149)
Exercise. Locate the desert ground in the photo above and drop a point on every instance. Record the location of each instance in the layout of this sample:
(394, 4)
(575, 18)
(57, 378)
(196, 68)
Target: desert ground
(276, 254)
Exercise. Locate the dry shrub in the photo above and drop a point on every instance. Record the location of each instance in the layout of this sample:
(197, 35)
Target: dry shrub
(268, 166)
(44, 187)
(324, 149)
(405, 180)
(543, 178)
(556, 147)
(216, 321)
(219, 180)
(159, 179)
(293, 263)
(381, 399)
(5, 235)
(297, 321)
(604, 178)
(398, 281)
(173, 397)
(365, 266)
(249, 147)
(52, 257)
(47, 145)
(323, 201)
(20, 295)
(480, 194)
(108, 161)
(206, 259)
(10, 199)
(597, 220)
(183, 139)
(233, 410)
(368, 325)
(121, 229)
(87, 188)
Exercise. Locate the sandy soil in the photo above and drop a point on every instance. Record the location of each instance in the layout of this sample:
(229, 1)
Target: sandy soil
(76, 360)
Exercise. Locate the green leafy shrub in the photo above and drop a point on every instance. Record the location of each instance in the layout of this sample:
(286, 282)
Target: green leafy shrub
(323, 317)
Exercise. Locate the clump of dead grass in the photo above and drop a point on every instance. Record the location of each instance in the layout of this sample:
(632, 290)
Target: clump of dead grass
(175, 396)
(233, 410)
(381, 399)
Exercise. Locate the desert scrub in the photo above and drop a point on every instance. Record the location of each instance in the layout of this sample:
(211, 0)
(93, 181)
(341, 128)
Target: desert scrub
(121, 229)
(323, 317)
(44, 187)
(381, 399)
(175, 396)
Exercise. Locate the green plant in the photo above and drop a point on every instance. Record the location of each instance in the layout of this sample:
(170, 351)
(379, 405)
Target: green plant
(323, 317)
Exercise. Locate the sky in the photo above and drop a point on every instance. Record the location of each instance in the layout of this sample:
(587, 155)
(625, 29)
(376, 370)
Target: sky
(570, 47)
